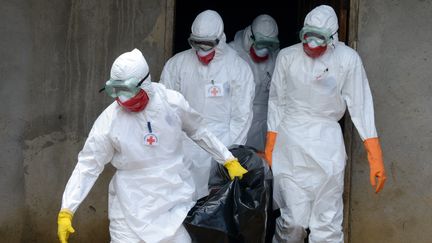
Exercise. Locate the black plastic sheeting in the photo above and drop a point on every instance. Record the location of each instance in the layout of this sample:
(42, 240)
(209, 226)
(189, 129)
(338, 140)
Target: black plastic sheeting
(235, 211)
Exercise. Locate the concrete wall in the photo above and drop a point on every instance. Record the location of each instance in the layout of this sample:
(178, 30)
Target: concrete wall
(394, 41)
(55, 55)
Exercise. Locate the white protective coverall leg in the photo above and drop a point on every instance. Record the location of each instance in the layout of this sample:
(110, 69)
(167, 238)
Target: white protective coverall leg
(266, 26)
(307, 98)
(151, 191)
(227, 112)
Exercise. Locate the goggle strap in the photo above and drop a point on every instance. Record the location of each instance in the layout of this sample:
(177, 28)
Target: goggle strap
(142, 80)
(331, 37)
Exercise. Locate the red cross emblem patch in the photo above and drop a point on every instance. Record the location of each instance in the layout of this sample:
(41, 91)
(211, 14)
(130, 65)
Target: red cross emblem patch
(151, 139)
(214, 90)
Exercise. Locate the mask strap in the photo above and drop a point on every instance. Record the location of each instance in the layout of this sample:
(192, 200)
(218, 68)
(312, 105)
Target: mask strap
(331, 37)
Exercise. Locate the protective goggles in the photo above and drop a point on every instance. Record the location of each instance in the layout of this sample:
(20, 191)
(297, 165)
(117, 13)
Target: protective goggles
(205, 44)
(260, 41)
(127, 88)
(319, 36)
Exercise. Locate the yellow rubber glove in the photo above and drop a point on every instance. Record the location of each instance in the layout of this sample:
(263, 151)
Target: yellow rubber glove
(376, 164)
(234, 168)
(268, 151)
(64, 222)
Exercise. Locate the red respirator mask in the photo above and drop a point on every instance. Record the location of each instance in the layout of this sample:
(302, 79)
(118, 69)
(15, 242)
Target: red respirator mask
(257, 58)
(205, 57)
(136, 103)
(314, 52)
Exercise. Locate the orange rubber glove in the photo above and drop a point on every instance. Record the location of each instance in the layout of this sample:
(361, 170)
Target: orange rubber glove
(270, 142)
(376, 164)
(64, 222)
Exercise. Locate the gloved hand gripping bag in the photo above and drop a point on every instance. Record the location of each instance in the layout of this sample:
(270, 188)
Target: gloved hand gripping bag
(235, 211)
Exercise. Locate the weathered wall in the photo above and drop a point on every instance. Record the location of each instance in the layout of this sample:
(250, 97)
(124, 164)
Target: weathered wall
(55, 57)
(394, 43)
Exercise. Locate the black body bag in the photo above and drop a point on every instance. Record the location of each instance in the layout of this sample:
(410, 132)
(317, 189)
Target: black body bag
(234, 211)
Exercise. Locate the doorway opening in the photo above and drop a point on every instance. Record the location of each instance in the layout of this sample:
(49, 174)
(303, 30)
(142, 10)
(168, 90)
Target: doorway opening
(289, 16)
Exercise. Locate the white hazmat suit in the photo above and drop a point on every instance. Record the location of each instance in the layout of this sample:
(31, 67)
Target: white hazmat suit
(227, 112)
(308, 96)
(152, 190)
(262, 72)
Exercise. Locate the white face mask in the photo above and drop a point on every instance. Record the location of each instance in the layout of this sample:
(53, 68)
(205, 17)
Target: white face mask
(261, 52)
(123, 98)
(203, 53)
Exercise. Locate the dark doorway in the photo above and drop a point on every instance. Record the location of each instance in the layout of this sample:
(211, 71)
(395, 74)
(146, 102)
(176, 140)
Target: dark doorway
(238, 15)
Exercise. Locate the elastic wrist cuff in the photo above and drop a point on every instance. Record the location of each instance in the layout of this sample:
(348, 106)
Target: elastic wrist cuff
(65, 210)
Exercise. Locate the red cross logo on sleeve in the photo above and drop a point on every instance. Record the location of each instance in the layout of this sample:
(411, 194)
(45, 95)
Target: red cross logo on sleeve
(214, 91)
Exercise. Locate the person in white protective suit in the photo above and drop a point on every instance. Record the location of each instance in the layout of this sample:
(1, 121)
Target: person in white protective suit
(258, 45)
(218, 84)
(140, 134)
(313, 83)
